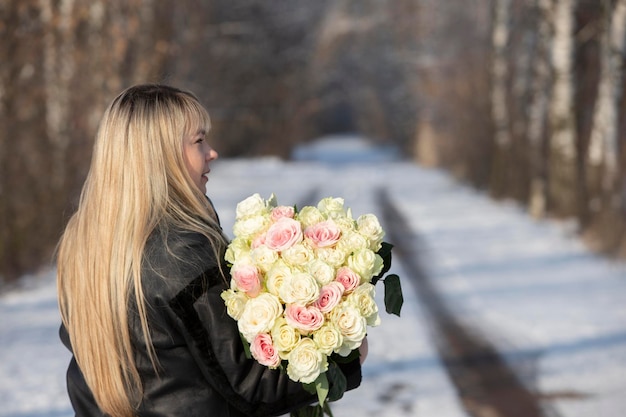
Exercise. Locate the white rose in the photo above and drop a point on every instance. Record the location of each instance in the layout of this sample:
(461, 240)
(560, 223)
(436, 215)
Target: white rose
(363, 299)
(297, 255)
(370, 228)
(346, 224)
(328, 338)
(332, 207)
(285, 337)
(365, 263)
(259, 315)
(299, 288)
(351, 325)
(264, 257)
(237, 249)
(275, 277)
(235, 302)
(250, 207)
(321, 271)
(250, 226)
(351, 242)
(335, 257)
(309, 216)
(379, 264)
(306, 362)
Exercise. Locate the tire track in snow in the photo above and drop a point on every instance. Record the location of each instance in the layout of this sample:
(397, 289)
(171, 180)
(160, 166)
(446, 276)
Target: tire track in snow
(486, 384)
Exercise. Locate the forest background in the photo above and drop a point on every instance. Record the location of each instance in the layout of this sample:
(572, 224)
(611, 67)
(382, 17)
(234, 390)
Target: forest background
(524, 99)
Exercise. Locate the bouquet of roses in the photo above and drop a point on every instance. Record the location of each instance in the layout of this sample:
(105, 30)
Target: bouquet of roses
(302, 286)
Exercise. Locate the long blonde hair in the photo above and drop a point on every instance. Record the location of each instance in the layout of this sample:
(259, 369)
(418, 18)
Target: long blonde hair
(137, 180)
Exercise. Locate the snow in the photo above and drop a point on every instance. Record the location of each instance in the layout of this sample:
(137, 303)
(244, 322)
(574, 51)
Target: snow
(345, 148)
(555, 311)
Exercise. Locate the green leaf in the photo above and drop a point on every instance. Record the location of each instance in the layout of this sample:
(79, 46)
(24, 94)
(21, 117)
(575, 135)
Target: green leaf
(338, 382)
(327, 410)
(321, 386)
(393, 295)
(385, 253)
(310, 388)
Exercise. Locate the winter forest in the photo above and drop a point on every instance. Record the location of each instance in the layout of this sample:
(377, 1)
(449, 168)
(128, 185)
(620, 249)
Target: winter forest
(524, 99)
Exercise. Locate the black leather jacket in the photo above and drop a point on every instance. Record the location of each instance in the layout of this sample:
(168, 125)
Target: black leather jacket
(203, 368)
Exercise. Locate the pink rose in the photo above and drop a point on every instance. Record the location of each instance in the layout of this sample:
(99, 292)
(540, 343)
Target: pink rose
(282, 211)
(263, 350)
(283, 234)
(305, 319)
(348, 278)
(247, 279)
(330, 296)
(323, 234)
(258, 241)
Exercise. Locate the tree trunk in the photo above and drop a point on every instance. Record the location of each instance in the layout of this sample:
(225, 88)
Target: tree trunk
(603, 146)
(499, 73)
(562, 163)
(499, 102)
(540, 97)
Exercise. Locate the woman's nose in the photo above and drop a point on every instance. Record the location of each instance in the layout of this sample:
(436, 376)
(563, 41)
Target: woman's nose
(213, 155)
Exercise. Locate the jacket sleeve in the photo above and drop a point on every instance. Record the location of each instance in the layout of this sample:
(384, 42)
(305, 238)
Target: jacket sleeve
(215, 343)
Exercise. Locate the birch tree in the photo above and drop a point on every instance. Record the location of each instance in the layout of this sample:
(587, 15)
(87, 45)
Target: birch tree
(603, 146)
(539, 100)
(499, 73)
(562, 158)
(499, 102)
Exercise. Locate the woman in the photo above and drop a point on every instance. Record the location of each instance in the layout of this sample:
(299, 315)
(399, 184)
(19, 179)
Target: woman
(140, 275)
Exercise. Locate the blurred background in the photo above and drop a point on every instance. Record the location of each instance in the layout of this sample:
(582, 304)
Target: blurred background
(521, 98)
(476, 124)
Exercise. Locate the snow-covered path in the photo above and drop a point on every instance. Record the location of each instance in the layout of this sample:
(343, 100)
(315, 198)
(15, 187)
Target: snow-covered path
(553, 310)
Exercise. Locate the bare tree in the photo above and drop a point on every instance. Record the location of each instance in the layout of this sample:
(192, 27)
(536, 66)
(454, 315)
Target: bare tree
(537, 109)
(499, 73)
(62, 61)
(522, 98)
(501, 27)
(562, 165)
(603, 146)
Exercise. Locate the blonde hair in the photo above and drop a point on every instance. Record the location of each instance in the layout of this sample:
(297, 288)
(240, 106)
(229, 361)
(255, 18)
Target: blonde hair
(136, 181)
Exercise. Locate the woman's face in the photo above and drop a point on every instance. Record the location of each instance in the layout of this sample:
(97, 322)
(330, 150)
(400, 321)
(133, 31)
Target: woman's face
(198, 155)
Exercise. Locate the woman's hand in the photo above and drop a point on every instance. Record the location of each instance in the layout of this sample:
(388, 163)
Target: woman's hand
(363, 349)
